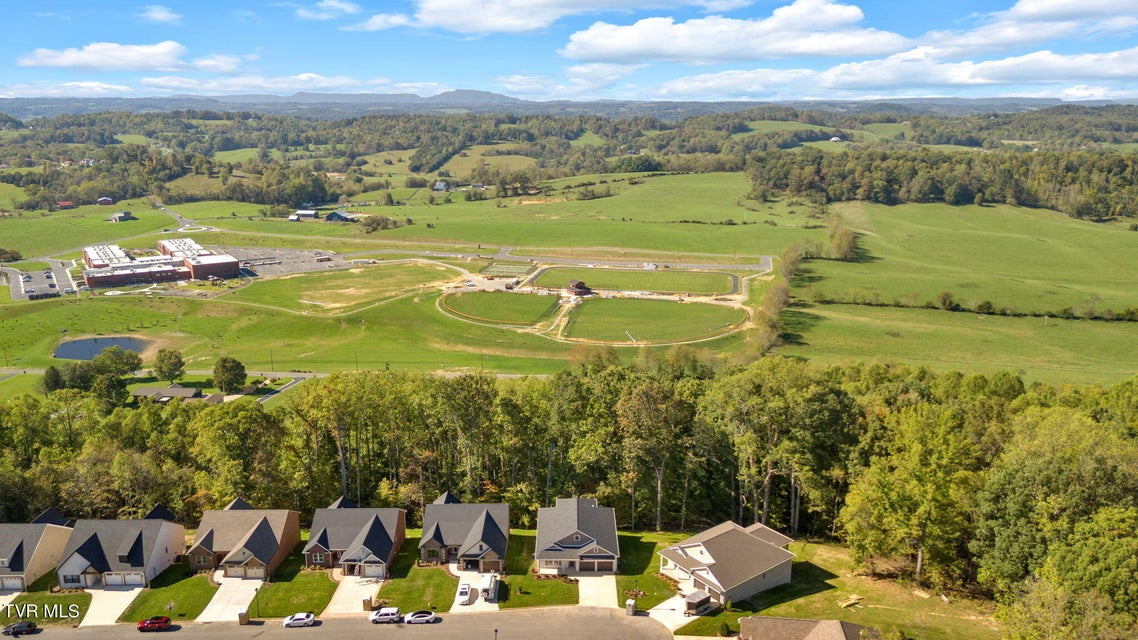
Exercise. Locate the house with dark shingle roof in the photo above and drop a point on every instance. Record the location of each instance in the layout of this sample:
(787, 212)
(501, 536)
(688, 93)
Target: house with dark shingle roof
(29, 551)
(766, 628)
(576, 536)
(107, 553)
(245, 542)
(473, 535)
(361, 541)
(728, 562)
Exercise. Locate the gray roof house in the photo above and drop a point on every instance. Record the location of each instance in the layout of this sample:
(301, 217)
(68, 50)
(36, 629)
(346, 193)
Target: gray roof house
(245, 542)
(728, 562)
(361, 541)
(105, 553)
(475, 535)
(764, 628)
(576, 536)
(29, 551)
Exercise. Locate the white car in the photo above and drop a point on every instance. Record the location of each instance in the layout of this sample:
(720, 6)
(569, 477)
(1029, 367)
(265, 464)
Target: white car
(464, 594)
(424, 616)
(386, 614)
(300, 620)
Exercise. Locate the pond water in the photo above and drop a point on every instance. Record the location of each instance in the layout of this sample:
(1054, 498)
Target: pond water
(88, 348)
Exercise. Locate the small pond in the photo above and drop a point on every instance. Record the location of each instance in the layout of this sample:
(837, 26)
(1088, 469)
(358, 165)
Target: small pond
(88, 348)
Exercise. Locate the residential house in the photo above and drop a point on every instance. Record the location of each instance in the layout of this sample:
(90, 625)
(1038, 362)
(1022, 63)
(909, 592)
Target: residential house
(340, 215)
(163, 395)
(105, 201)
(29, 551)
(361, 541)
(576, 536)
(764, 628)
(307, 214)
(121, 216)
(245, 542)
(105, 553)
(473, 535)
(728, 562)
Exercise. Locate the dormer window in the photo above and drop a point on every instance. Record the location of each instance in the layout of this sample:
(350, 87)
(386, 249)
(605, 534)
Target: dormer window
(576, 538)
(123, 558)
(3, 563)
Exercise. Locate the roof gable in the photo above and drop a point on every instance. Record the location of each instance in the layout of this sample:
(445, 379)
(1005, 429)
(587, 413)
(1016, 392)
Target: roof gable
(726, 554)
(485, 535)
(343, 502)
(260, 543)
(447, 497)
(103, 542)
(576, 517)
(160, 512)
(373, 543)
(454, 521)
(239, 504)
(50, 516)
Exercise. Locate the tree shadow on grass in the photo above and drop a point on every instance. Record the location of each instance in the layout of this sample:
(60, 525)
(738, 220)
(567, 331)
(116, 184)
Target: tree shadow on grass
(635, 554)
(807, 579)
(406, 558)
(796, 324)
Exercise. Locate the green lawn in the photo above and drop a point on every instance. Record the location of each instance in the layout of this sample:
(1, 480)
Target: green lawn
(19, 384)
(656, 281)
(40, 233)
(413, 587)
(10, 194)
(520, 588)
(639, 565)
(42, 607)
(293, 589)
(823, 576)
(176, 593)
(634, 321)
(502, 308)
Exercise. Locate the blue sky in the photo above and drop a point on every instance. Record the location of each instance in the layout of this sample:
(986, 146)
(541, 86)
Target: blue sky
(574, 49)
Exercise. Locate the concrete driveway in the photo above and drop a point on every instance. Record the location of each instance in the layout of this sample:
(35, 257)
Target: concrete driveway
(107, 604)
(670, 613)
(474, 579)
(350, 594)
(231, 598)
(6, 597)
(597, 591)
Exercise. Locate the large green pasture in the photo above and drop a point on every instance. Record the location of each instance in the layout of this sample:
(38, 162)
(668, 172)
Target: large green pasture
(500, 307)
(1040, 349)
(635, 321)
(773, 126)
(1023, 259)
(338, 292)
(39, 233)
(461, 165)
(10, 194)
(656, 281)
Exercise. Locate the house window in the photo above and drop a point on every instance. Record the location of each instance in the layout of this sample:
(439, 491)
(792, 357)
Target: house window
(3, 563)
(70, 579)
(202, 560)
(318, 558)
(432, 553)
(576, 538)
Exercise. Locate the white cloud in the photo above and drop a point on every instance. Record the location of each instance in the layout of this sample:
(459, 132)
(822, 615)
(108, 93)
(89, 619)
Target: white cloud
(109, 56)
(1071, 9)
(735, 84)
(521, 16)
(217, 63)
(804, 28)
(523, 85)
(159, 13)
(381, 21)
(328, 10)
(67, 89)
(255, 83)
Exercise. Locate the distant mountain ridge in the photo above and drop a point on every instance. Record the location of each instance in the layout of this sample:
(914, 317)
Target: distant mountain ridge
(343, 105)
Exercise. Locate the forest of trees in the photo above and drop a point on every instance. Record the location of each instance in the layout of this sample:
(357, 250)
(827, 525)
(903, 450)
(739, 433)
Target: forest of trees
(957, 481)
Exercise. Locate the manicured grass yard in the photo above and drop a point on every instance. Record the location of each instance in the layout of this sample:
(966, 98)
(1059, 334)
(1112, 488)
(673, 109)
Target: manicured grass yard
(176, 593)
(533, 592)
(823, 576)
(656, 281)
(614, 319)
(413, 587)
(639, 565)
(504, 308)
(53, 608)
(293, 589)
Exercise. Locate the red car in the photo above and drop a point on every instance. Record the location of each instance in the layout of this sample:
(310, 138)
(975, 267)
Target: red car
(157, 623)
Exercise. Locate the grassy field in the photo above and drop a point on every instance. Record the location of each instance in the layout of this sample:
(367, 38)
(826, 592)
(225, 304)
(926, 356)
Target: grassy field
(612, 320)
(39, 233)
(1026, 259)
(337, 292)
(412, 587)
(656, 281)
(132, 138)
(639, 565)
(462, 165)
(19, 384)
(293, 589)
(10, 194)
(773, 126)
(520, 588)
(501, 308)
(823, 576)
(175, 593)
(244, 155)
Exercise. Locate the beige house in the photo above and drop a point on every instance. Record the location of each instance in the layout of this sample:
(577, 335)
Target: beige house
(29, 551)
(245, 542)
(728, 562)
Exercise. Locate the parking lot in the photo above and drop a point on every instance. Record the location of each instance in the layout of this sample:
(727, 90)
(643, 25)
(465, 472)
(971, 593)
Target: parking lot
(32, 283)
(278, 262)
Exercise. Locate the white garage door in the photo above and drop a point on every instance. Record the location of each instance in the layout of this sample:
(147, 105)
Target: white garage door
(373, 570)
(135, 578)
(254, 572)
(113, 579)
(235, 572)
(16, 584)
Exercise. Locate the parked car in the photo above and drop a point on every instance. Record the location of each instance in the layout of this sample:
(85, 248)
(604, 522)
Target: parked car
(29, 290)
(157, 623)
(420, 617)
(19, 628)
(51, 285)
(26, 278)
(300, 620)
(69, 290)
(386, 614)
(49, 275)
(464, 594)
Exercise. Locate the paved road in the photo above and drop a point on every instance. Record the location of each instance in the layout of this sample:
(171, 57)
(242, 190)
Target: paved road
(551, 623)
